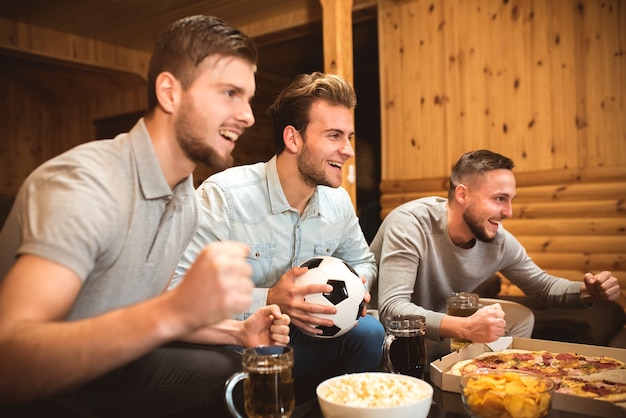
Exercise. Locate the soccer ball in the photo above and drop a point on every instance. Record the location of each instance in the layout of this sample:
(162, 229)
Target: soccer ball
(347, 296)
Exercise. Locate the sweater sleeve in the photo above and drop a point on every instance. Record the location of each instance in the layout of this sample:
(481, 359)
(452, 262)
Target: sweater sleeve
(402, 246)
(522, 271)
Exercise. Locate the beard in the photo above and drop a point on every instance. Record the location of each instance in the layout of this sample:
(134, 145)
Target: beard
(474, 223)
(310, 173)
(193, 146)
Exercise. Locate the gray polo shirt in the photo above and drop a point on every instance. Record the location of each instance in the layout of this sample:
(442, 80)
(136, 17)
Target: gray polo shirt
(104, 210)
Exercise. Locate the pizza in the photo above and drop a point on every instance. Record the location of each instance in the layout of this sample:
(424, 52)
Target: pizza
(596, 377)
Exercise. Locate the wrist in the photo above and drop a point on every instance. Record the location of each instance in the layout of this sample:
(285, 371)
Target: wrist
(452, 326)
(171, 323)
(269, 296)
(584, 292)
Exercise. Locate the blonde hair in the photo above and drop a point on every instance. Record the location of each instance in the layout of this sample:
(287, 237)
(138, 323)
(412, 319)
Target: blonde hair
(293, 104)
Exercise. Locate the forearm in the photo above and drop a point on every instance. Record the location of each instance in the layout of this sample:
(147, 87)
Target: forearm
(39, 359)
(452, 326)
(227, 332)
(552, 291)
(535, 282)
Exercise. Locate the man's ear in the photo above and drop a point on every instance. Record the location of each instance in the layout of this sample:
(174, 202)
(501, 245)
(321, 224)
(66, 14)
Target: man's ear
(460, 194)
(292, 139)
(167, 90)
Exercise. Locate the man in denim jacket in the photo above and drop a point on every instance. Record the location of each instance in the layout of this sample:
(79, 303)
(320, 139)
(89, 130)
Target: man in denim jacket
(292, 208)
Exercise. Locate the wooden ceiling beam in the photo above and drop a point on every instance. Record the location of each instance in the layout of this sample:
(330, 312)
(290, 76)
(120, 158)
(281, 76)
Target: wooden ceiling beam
(45, 43)
(290, 24)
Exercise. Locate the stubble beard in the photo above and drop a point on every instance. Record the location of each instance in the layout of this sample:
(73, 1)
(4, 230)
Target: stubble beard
(309, 172)
(194, 147)
(474, 224)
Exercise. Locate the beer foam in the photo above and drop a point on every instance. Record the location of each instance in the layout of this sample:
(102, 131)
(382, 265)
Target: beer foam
(372, 390)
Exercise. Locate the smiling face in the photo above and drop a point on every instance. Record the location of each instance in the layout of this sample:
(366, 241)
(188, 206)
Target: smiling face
(215, 110)
(326, 144)
(489, 202)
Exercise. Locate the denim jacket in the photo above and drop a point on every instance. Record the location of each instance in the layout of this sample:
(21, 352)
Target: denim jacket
(247, 204)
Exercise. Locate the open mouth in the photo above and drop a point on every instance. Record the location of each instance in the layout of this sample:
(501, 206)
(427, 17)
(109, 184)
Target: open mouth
(335, 164)
(229, 135)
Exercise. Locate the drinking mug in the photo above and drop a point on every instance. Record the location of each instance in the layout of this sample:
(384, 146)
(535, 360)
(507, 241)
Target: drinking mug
(404, 347)
(268, 383)
(461, 304)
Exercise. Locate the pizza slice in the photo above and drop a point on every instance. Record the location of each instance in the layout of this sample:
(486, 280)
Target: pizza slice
(607, 385)
(541, 362)
(487, 360)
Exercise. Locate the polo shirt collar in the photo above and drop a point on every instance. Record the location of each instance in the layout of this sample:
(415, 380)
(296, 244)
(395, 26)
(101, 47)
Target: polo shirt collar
(151, 179)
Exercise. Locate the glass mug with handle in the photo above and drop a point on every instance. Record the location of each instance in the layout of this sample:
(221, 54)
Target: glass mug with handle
(461, 304)
(404, 347)
(268, 383)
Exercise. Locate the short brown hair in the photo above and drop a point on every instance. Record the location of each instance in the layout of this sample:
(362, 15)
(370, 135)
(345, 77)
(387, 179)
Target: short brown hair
(476, 162)
(184, 44)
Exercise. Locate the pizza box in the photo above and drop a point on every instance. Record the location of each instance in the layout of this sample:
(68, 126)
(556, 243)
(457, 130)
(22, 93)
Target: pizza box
(560, 402)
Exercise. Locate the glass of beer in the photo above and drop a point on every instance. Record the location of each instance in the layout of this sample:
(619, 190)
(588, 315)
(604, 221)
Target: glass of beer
(461, 304)
(404, 348)
(268, 383)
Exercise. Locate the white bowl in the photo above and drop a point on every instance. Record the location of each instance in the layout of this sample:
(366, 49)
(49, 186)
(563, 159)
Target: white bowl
(374, 395)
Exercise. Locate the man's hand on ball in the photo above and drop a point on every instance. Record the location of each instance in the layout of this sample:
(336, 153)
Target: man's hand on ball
(290, 299)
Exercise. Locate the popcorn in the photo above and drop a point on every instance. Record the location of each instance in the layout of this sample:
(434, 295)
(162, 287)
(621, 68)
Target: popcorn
(372, 390)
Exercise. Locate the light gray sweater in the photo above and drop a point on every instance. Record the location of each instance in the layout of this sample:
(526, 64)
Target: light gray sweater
(418, 265)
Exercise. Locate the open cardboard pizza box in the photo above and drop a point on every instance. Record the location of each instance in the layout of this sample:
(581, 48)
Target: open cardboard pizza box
(440, 377)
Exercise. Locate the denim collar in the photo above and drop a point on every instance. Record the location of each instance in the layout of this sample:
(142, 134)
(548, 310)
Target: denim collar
(278, 200)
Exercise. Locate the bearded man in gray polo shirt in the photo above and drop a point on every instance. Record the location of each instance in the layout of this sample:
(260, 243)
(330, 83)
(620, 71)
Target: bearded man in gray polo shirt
(95, 234)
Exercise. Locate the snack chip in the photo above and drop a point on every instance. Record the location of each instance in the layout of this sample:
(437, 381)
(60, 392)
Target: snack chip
(506, 394)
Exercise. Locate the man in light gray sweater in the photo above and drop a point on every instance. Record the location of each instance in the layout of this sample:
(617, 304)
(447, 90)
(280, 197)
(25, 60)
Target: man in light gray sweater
(430, 247)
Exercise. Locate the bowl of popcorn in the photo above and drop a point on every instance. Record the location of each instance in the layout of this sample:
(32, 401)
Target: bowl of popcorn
(506, 393)
(374, 395)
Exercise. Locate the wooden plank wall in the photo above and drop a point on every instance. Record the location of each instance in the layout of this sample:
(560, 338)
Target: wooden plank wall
(16, 157)
(38, 129)
(543, 82)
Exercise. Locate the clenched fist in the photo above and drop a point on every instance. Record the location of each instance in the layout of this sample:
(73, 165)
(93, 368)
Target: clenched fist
(216, 287)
